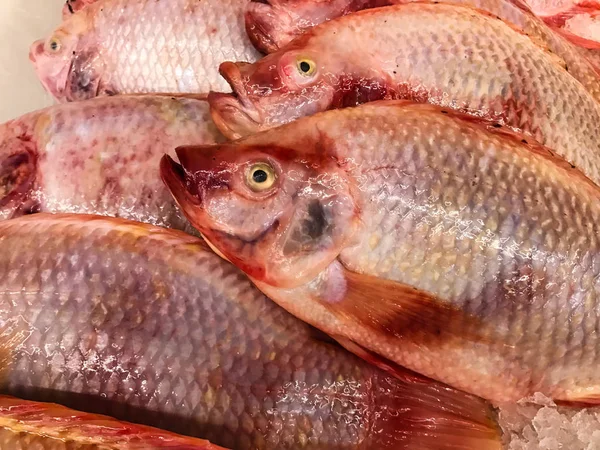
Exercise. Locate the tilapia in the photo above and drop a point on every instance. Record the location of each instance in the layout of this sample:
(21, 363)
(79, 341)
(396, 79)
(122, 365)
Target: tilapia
(273, 24)
(448, 55)
(140, 322)
(428, 238)
(99, 157)
(142, 46)
(28, 425)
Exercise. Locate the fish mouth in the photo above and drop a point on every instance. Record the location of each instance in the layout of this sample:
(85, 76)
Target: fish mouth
(174, 177)
(261, 26)
(234, 114)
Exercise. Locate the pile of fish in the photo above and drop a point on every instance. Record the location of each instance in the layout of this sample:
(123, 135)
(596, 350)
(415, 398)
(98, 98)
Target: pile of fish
(304, 224)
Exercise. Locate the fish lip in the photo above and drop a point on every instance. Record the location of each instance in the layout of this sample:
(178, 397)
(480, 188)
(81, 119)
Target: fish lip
(259, 20)
(173, 176)
(232, 117)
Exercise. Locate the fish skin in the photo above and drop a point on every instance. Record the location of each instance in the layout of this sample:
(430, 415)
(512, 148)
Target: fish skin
(442, 56)
(142, 46)
(78, 157)
(273, 24)
(27, 425)
(140, 322)
(502, 234)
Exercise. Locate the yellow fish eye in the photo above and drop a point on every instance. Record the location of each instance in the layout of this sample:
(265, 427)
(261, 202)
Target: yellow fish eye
(260, 177)
(306, 67)
(54, 45)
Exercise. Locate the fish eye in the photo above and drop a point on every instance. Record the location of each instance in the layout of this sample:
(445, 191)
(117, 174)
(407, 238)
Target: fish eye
(306, 67)
(260, 177)
(54, 45)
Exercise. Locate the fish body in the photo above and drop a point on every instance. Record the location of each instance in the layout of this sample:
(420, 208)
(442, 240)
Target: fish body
(99, 157)
(431, 239)
(26, 425)
(142, 46)
(448, 55)
(140, 322)
(272, 25)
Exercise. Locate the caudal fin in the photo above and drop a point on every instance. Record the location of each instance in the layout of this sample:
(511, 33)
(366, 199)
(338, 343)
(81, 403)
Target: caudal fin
(17, 177)
(417, 413)
(36, 424)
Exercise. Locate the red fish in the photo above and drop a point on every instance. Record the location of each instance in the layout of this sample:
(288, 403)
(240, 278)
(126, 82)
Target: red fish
(449, 55)
(436, 241)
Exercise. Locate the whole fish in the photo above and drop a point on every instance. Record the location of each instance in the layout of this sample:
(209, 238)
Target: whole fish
(142, 46)
(272, 24)
(460, 252)
(449, 55)
(28, 425)
(140, 322)
(72, 6)
(99, 157)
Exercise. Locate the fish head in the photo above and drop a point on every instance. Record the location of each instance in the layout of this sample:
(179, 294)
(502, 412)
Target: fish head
(278, 89)
(66, 62)
(272, 24)
(279, 216)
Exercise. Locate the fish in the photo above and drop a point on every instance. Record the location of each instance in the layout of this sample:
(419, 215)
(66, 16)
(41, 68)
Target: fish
(43, 426)
(417, 234)
(449, 55)
(273, 24)
(72, 6)
(142, 46)
(140, 322)
(100, 157)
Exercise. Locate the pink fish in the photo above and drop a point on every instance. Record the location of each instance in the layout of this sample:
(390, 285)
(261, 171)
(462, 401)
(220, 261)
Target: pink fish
(150, 325)
(100, 156)
(433, 240)
(142, 46)
(449, 55)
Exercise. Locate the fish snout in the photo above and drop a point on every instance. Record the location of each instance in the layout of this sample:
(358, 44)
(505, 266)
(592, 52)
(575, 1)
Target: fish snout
(36, 49)
(266, 26)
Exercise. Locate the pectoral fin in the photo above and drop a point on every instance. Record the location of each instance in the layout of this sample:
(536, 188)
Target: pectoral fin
(401, 311)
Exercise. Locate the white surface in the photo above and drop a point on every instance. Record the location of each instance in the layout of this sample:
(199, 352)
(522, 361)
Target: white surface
(21, 23)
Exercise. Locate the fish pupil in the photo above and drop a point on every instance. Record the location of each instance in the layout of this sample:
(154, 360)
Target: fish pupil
(54, 45)
(305, 67)
(259, 176)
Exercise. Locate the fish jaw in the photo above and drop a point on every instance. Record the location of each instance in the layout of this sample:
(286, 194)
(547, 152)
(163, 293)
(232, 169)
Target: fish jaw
(234, 114)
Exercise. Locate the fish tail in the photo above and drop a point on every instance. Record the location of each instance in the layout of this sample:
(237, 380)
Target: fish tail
(416, 413)
(43, 423)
